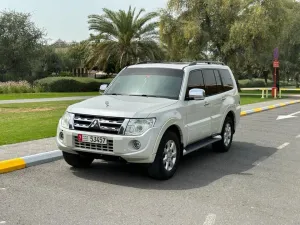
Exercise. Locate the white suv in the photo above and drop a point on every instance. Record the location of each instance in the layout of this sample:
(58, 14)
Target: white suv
(153, 113)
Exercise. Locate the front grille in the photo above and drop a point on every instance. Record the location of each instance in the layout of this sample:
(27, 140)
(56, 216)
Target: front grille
(109, 147)
(103, 124)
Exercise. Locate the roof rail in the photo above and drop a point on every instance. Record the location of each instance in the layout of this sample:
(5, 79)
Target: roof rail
(207, 62)
(161, 61)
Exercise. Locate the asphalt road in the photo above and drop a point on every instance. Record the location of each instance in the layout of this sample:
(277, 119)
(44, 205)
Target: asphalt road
(257, 182)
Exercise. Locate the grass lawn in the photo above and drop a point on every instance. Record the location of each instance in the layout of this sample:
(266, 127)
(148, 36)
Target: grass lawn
(245, 100)
(32, 121)
(44, 95)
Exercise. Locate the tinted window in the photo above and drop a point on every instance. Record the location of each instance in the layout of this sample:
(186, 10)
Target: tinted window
(156, 82)
(195, 80)
(219, 82)
(210, 82)
(226, 79)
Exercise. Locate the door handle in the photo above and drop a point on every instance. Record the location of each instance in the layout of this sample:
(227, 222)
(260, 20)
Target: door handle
(223, 98)
(206, 104)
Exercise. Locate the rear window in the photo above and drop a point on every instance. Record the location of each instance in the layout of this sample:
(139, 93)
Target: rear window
(226, 79)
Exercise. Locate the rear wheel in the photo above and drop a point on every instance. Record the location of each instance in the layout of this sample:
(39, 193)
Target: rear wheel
(77, 161)
(227, 135)
(167, 157)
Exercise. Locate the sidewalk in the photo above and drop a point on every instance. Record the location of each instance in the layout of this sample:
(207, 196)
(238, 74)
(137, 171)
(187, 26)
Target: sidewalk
(264, 104)
(27, 148)
(44, 99)
(48, 144)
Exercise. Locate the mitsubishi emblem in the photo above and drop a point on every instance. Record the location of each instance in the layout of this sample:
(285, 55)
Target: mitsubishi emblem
(95, 124)
(107, 103)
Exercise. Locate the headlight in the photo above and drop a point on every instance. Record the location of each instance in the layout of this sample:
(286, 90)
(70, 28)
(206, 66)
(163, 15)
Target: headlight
(67, 120)
(137, 127)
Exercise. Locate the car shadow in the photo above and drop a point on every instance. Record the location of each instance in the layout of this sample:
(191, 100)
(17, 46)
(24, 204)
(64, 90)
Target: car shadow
(196, 170)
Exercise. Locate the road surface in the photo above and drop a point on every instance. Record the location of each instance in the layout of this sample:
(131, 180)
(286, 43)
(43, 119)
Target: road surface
(257, 182)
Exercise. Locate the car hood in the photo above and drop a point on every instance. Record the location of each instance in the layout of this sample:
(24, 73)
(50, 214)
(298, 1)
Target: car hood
(120, 106)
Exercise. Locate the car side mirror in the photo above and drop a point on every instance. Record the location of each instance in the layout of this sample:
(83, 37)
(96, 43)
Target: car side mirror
(197, 94)
(103, 87)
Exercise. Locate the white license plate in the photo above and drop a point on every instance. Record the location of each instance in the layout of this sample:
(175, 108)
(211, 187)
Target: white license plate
(92, 139)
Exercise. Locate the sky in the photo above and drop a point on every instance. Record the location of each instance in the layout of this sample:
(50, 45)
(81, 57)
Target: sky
(67, 19)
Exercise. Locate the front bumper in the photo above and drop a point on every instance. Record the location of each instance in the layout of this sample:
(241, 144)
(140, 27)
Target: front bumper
(122, 145)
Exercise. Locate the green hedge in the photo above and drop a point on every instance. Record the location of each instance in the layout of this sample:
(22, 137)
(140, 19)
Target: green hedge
(69, 84)
(247, 83)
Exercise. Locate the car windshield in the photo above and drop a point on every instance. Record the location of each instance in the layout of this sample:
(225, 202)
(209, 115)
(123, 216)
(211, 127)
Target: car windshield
(148, 82)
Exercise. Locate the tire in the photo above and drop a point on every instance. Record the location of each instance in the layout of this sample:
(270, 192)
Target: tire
(227, 135)
(167, 157)
(77, 161)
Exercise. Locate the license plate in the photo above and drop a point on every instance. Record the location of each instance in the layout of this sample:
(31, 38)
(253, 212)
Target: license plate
(92, 139)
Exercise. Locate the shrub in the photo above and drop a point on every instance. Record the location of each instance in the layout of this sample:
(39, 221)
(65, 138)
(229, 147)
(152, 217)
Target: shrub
(15, 87)
(253, 83)
(65, 74)
(69, 84)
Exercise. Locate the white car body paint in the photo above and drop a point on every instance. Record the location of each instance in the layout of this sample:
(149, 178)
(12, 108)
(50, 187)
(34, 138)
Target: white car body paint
(193, 120)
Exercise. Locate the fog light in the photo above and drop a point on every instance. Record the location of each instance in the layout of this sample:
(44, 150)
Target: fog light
(136, 144)
(61, 136)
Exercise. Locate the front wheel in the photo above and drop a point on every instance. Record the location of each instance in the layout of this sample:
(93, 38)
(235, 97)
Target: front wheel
(227, 135)
(167, 157)
(77, 161)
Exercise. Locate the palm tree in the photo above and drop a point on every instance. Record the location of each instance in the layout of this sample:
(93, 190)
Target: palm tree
(123, 37)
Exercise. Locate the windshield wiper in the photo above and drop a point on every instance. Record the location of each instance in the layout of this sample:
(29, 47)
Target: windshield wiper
(143, 95)
(153, 96)
(114, 94)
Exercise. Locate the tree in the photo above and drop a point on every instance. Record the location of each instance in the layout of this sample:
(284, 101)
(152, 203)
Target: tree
(290, 43)
(181, 37)
(210, 21)
(77, 54)
(256, 32)
(20, 43)
(127, 37)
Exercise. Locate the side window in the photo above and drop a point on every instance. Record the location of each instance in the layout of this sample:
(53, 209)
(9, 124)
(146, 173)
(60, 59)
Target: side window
(195, 80)
(210, 82)
(227, 80)
(219, 82)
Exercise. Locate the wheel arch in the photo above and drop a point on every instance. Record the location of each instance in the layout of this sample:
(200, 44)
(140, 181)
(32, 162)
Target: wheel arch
(174, 126)
(231, 115)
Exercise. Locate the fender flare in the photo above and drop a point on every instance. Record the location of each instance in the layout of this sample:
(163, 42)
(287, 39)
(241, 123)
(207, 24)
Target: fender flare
(165, 127)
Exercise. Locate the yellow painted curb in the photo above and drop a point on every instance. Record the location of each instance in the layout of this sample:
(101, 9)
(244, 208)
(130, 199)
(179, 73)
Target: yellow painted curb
(282, 104)
(271, 107)
(11, 165)
(293, 102)
(258, 109)
(243, 113)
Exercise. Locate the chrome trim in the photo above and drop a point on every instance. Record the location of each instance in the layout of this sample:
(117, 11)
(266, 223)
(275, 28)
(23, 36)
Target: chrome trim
(83, 120)
(123, 127)
(71, 121)
(107, 124)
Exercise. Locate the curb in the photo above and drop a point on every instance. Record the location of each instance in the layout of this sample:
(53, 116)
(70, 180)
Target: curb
(33, 160)
(28, 161)
(266, 108)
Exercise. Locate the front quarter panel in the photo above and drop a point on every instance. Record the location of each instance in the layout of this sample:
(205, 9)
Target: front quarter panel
(166, 119)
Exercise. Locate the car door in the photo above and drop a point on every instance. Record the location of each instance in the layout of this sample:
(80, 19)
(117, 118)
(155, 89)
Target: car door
(227, 95)
(214, 97)
(198, 119)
